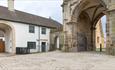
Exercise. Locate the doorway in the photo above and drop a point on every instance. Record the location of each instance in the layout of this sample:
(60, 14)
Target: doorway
(43, 45)
(7, 39)
(100, 35)
(2, 46)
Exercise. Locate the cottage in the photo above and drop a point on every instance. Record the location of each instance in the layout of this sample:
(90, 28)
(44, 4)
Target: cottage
(21, 32)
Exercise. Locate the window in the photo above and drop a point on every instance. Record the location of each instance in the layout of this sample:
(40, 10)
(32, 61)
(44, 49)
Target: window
(43, 30)
(31, 29)
(31, 45)
(97, 39)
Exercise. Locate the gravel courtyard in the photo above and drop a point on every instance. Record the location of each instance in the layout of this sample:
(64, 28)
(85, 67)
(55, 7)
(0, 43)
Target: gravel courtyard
(58, 61)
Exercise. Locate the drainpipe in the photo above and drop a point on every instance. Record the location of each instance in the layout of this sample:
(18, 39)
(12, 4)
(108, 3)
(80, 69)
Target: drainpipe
(39, 42)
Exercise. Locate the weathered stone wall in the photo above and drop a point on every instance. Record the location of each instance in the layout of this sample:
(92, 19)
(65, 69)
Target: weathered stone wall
(83, 33)
(53, 40)
(95, 10)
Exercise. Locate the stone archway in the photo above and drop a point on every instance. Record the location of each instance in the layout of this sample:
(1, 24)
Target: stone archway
(80, 18)
(9, 36)
(56, 42)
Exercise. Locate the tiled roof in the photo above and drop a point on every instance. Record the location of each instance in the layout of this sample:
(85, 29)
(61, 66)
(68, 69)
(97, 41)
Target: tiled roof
(23, 17)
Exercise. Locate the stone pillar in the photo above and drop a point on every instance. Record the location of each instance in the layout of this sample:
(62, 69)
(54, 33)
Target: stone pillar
(92, 47)
(111, 32)
(110, 42)
(70, 37)
(64, 6)
(67, 25)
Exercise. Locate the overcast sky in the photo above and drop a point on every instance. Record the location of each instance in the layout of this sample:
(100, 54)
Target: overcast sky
(45, 8)
(103, 19)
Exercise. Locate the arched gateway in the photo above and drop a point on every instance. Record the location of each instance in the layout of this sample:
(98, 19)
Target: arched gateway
(7, 38)
(80, 18)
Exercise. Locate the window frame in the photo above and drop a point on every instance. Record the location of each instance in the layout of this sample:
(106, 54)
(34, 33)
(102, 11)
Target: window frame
(43, 30)
(31, 29)
(31, 43)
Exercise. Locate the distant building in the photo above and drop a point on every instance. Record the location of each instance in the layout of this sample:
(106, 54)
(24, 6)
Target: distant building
(56, 38)
(99, 40)
(22, 32)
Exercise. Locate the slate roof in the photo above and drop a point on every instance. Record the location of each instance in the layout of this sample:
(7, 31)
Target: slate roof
(27, 18)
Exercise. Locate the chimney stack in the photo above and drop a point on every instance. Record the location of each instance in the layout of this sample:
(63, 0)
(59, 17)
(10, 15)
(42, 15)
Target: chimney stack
(11, 5)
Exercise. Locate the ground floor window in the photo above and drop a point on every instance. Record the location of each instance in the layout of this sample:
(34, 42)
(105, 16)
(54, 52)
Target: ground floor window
(43, 45)
(31, 45)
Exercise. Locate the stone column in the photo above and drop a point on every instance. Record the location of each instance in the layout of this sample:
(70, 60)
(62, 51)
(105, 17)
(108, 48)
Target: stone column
(110, 42)
(67, 25)
(111, 32)
(69, 36)
(72, 36)
(92, 47)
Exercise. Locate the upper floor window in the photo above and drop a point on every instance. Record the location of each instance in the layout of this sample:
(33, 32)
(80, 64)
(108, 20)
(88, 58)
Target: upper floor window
(31, 29)
(43, 31)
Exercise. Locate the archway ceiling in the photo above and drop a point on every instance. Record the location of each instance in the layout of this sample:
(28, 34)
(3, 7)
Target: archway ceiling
(93, 9)
(93, 13)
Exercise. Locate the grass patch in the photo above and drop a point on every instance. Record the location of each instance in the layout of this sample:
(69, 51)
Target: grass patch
(98, 49)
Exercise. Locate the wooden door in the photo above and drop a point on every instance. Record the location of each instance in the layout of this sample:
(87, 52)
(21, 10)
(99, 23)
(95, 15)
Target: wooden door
(2, 46)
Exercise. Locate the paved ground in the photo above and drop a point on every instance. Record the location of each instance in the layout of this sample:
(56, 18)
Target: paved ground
(58, 61)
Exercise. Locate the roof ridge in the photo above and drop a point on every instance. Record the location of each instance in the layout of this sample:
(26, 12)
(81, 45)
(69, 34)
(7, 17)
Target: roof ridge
(21, 16)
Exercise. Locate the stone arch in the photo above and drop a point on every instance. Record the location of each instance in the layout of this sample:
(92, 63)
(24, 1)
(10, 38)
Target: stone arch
(78, 7)
(93, 19)
(72, 10)
(83, 32)
(97, 18)
(93, 9)
(9, 31)
(56, 41)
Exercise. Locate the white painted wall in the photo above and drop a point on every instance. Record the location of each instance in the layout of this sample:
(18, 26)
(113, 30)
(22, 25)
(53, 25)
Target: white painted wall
(7, 34)
(45, 38)
(57, 42)
(23, 36)
(8, 40)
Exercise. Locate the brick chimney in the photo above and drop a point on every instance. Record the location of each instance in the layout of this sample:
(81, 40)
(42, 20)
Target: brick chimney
(11, 5)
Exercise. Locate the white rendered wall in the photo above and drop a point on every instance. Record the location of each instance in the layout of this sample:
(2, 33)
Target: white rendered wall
(23, 36)
(45, 38)
(57, 42)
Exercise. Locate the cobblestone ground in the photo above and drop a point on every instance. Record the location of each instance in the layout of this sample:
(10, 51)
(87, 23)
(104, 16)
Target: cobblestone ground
(58, 61)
